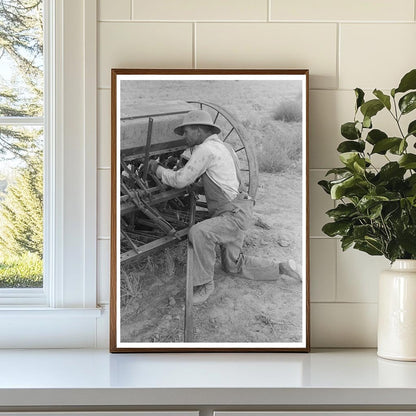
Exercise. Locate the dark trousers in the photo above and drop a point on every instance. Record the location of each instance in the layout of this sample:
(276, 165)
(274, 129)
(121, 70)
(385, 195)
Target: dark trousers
(228, 230)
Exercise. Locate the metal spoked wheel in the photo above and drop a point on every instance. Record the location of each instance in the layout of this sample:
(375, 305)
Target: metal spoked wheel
(234, 133)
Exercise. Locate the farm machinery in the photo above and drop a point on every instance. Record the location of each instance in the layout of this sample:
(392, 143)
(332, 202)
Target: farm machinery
(153, 216)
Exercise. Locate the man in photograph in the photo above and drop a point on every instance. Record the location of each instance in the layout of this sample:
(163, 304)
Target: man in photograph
(230, 208)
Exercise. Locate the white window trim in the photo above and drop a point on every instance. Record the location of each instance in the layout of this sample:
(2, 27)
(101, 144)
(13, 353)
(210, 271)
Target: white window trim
(67, 305)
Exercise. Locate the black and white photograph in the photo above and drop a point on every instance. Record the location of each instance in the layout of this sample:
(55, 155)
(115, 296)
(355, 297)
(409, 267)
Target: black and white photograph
(209, 215)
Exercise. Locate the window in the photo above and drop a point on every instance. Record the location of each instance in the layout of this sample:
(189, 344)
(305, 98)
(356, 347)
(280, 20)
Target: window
(63, 312)
(22, 132)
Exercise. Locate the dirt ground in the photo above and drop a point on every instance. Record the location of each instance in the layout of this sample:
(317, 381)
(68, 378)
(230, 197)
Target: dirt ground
(240, 310)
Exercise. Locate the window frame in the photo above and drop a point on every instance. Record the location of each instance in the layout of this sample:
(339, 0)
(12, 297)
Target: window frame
(38, 296)
(70, 207)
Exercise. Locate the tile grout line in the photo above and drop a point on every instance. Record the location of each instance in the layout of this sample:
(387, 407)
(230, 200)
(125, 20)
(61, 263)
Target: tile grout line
(269, 11)
(336, 271)
(338, 63)
(344, 303)
(307, 22)
(131, 9)
(323, 237)
(310, 89)
(194, 62)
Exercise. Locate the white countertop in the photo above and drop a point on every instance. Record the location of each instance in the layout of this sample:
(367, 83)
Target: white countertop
(96, 377)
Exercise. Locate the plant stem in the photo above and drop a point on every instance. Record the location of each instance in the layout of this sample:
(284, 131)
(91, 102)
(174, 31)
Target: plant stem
(387, 232)
(397, 118)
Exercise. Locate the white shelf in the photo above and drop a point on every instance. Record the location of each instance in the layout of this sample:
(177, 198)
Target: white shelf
(324, 378)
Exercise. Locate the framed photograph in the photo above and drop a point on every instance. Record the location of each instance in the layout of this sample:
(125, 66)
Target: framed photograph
(209, 212)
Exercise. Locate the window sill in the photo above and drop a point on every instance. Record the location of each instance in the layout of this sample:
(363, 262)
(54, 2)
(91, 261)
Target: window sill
(36, 312)
(22, 297)
(323, 379)
(40, 327)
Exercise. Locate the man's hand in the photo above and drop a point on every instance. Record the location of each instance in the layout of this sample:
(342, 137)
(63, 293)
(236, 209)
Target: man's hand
(153, 165)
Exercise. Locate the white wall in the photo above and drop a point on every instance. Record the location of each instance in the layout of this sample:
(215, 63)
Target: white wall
(345, 44)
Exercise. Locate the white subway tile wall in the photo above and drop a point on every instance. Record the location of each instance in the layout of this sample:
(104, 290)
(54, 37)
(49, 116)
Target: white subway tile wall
(270, 45)
(200, 10)
(355, 10)
(376, 55)
(319, 203)
(357, 275)
(104, 128)
(114, 10)
(338, 325)
(103, 269)
(104, 202)
(142, 45)
(322, 269)
(345, 44)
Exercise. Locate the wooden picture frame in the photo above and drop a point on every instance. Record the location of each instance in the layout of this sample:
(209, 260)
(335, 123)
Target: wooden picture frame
(263, 115)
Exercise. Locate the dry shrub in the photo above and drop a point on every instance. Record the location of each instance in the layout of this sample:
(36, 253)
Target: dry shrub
(278, 144)
(160, 267)
(289, 111)
(130, 285)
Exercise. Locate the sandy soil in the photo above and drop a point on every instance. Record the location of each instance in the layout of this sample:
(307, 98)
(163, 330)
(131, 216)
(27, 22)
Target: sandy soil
(240, 310)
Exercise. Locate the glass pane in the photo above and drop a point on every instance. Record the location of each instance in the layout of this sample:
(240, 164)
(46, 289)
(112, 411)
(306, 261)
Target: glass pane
(21, 58)
(21, 207)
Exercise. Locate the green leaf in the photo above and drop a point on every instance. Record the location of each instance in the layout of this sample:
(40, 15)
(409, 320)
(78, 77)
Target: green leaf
(412, 200)
(371, 108)
(375, 135)
(368, 201)
(338, 171)
(367, 122)
(407, 240)
(383, 145)
(359, 165)
(368, 248)
(359, 95)
(342, 179)
(385, 99)
(374, 242)
(393, 92)
(398, 149)
(349, 146)
(346, 242)
(402, 147)
(348, 158)
(391, 170)
(408, 102)
(338, 190)
(411, 182)
(408, 161)
(375, 212)
(408, 82)
(349, 131)
(393, 250)
(336, 228)
(325, 186)
(360, 231)
(342, 211)
(411, 130)
(413, 212)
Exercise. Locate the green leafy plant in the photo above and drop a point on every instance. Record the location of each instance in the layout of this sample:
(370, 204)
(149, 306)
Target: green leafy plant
(376, 212)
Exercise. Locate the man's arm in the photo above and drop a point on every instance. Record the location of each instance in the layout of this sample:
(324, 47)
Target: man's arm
(196, 166)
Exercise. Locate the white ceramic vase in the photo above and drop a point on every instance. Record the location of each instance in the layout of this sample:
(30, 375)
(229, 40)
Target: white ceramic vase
(397, 312)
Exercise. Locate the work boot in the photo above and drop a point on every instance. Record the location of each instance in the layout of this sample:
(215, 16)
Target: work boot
(290, 268)
(203, 292)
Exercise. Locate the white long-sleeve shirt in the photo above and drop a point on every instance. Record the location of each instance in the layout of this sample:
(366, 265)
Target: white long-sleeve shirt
(211, 157)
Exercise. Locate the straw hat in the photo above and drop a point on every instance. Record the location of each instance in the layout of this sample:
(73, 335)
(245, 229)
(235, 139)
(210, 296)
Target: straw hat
(197, 117)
